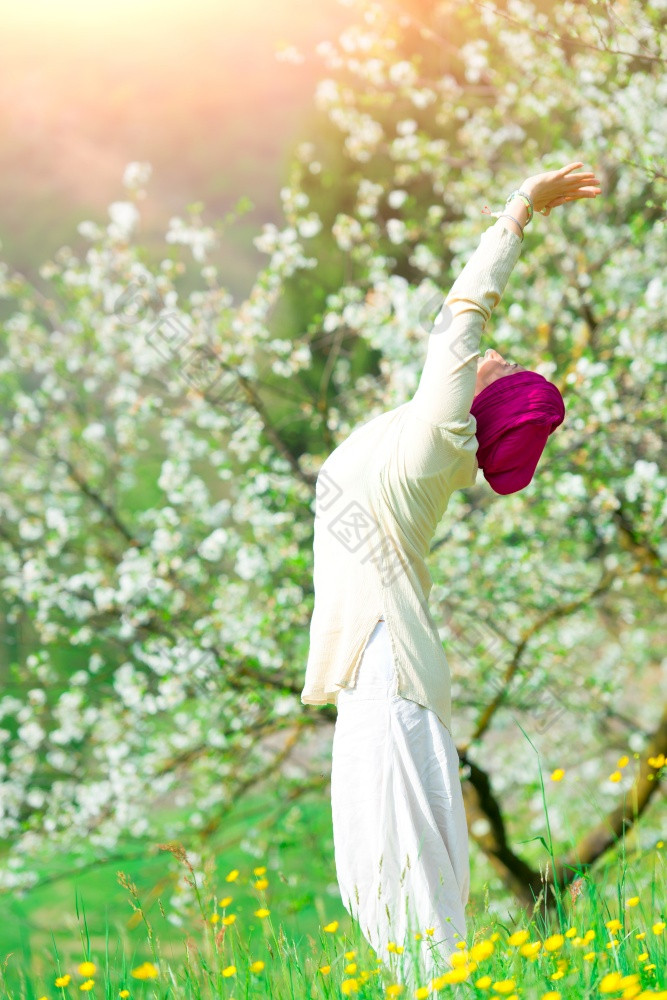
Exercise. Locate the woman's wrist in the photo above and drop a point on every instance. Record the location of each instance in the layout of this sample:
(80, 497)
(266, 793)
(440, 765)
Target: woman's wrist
(518, 208)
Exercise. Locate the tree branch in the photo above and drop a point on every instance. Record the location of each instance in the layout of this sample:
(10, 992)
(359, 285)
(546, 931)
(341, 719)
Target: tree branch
(565, 40)
(559, 611)
(272, 434)
(595, 843)
(520, 878)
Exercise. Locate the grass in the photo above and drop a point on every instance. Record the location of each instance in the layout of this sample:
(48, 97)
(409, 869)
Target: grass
(235, 947)
(227, 955)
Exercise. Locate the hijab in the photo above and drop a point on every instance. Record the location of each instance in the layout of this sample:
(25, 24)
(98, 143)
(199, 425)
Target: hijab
(515, 415)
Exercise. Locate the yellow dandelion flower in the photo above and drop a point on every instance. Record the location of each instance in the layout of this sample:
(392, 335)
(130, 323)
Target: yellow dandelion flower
(589, 935)
(660, 844)
(214, 918)
(633, 901)
(229, 971)
(631, 991)
(613, 943)
(518, 937)
(557, 975)
(349, 986)
(331, 928)
(257, 966)
(261, 883)
(616, 776)
(430, 931)
(504, 986)
(643, 957)
(558, 774)
(530, 949)
(613, 925)
(554, 942)
(610, 983)
(349, 955)
(229, 919)
(324, 969)
(571, 932)
(262, 912)
(418, 937)
(658, 761)
(124, 994)
(88, 985)
(145, 971)
(640, 936)
(459, 958)
(622, 761)
(87, 969)
(63, 980)
(227, 901)
(422, 992)
(629, 980)
(233, 875)
(480, 951)
(659, 927)
(259, 871)
(460, 944)
(457, 975)
(551, 995)
(647, 968)
(395, 990)
(589, 956)
(483, 983)
(351, 968)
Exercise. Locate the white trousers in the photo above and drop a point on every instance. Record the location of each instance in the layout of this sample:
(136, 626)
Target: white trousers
(399, 824)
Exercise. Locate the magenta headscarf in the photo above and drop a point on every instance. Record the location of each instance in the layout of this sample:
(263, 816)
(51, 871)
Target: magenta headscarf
(515, 415)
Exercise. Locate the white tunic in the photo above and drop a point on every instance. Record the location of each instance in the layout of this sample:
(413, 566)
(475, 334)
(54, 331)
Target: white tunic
(380, 496)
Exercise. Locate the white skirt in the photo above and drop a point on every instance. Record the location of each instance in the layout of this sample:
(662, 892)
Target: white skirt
(399, 823)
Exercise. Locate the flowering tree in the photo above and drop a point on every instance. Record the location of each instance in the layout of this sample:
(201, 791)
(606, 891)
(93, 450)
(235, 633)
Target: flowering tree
(160, 447)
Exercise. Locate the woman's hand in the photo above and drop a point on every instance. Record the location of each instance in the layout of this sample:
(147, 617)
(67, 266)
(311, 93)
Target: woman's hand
(558, 186)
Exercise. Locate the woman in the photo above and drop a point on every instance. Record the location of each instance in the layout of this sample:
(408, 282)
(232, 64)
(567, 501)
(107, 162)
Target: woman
(400, 833)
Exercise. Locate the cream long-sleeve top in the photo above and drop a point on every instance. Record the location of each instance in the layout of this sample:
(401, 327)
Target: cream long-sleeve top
(380, 495)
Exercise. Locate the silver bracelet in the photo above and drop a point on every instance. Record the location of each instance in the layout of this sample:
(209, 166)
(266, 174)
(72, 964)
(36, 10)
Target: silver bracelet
(527, 200)
(506, 215)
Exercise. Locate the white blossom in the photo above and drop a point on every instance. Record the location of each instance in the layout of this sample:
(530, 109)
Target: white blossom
(200, 239)
(309, 226)
(124, 218)
(137, 175)
(396, 230)
(212, 547)
(403, 73)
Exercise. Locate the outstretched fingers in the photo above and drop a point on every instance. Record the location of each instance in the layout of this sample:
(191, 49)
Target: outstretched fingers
(570, 166)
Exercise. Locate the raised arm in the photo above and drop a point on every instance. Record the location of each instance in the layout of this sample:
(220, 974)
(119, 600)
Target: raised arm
(447, 385)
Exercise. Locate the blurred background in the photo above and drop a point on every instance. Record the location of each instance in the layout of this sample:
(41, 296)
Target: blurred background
(198, 89)
(193, 88)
